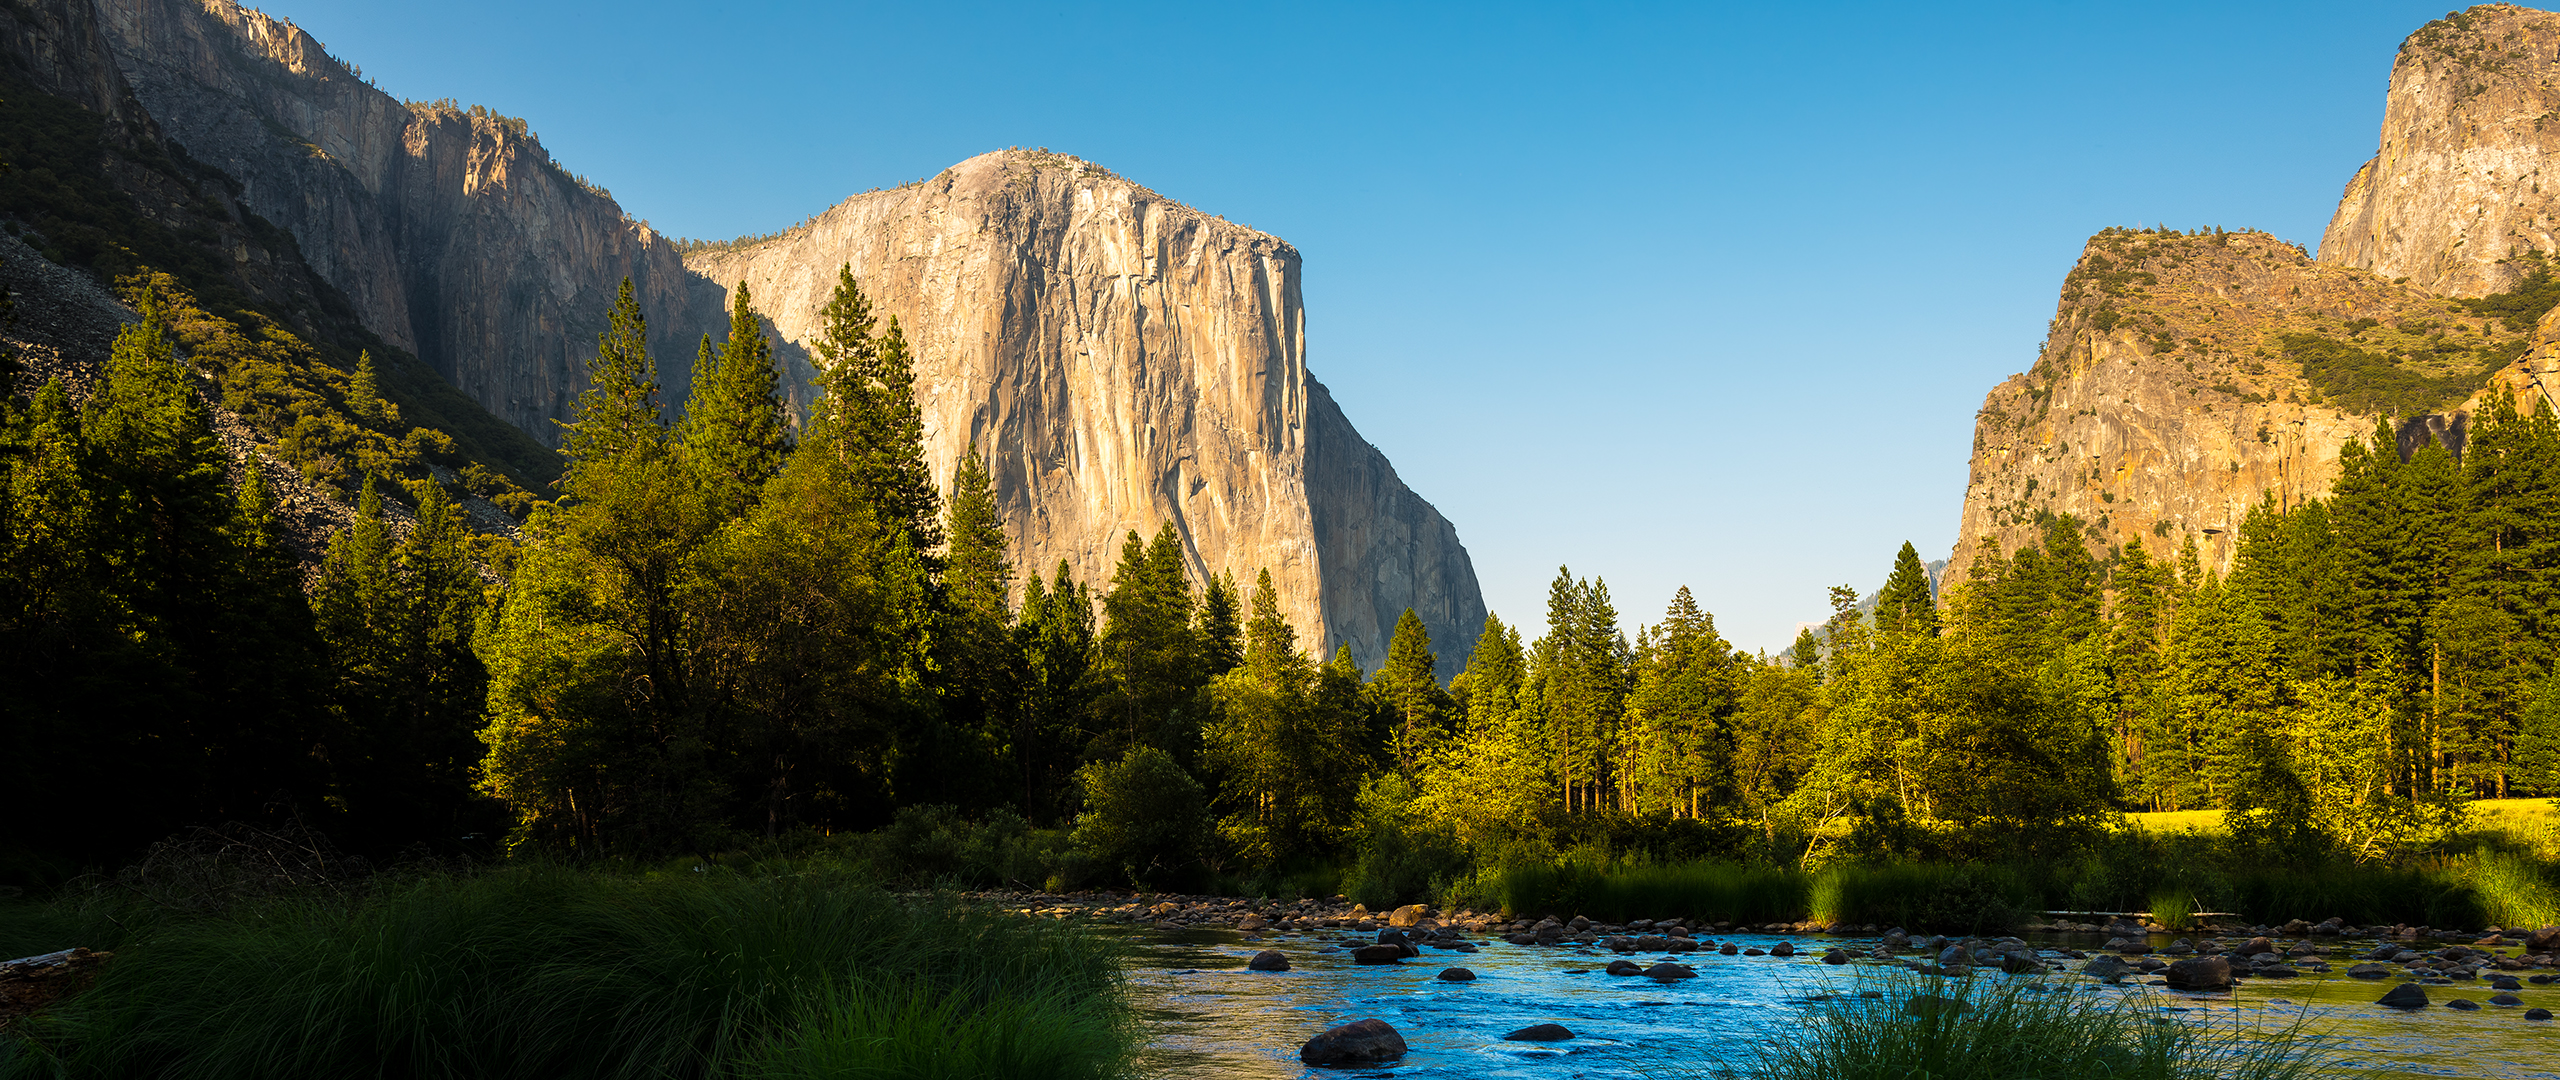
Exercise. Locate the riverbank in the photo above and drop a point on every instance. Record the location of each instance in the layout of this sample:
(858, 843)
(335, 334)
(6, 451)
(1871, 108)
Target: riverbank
(556, 972)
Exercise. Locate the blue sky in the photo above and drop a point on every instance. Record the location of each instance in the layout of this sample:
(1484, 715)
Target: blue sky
(1691, 294)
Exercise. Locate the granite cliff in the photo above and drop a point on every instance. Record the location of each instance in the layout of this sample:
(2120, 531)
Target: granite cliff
(451, 230)
(2187, 376)
(1125, 360)
(2470, 138)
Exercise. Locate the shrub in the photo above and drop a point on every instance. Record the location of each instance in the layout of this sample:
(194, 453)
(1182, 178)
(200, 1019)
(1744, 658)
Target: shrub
(1143, 815)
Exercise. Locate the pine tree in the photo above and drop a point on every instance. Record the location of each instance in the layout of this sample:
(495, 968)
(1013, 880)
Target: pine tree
(1411, 691)
(1907, 604)
(618, 413)
(1221, 633)
(364, 396)
(732, 435)
(1056, 636)
(1151, 649)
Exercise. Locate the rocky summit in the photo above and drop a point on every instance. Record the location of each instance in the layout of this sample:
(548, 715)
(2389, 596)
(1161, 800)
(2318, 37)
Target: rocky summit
(1122, 360)
(2189, 375)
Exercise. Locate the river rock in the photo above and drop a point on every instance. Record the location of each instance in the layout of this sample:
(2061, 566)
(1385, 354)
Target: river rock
(1456, 974)
(1407, 916)
(2384, 951)
(2543, 940)
(2369, 971)
(1625, 967)
(1379, 954)
(1836, 957)
(2505, 982)
(1783, 948)
(2256, 946)
(1668, 972)
(1730, 949)
(2537, 1014)
(2104, 966)
(2019, 962)
(1253, 922)
(2404, 996)
(1951, 956)
(1540, 1033)
(2200, 973)
(2464, 1004)
(2506, 999)
(1268, 960)
(1359, 1042)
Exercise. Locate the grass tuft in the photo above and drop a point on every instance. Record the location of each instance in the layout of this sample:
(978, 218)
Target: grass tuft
(2018, 1030)
(551, 972)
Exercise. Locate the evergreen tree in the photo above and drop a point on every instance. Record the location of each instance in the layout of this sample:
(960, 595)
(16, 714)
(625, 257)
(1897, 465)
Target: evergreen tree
(1411, 691)
(1056, 636)
(732, 436)
(364, 396)
(1907, 604)
(1151, 650)
(1222, 634)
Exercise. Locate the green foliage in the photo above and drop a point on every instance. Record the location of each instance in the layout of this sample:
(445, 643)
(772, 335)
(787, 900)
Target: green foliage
(542, 972)
(1144, 816)
(732, 432)
(2369, 383)
(2522, 307)
(1907, 602)
(2015, 1030)
(159, 643)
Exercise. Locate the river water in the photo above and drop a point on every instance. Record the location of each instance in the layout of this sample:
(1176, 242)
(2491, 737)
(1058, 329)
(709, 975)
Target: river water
(1210, 1017)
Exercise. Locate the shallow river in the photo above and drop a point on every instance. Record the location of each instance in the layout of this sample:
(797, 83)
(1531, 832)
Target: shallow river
(1210, 1017)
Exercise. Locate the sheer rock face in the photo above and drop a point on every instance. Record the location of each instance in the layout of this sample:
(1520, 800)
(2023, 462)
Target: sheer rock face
(1124, 361)
(2469, 171)
(452, 232)
(2165, 405)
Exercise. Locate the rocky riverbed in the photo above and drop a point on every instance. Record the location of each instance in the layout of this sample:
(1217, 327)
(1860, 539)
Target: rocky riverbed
(1650, 997)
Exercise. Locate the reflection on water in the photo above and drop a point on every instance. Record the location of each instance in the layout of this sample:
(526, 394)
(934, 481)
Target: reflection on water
(1211, 1017)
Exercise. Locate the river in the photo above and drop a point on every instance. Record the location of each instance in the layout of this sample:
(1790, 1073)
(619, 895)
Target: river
(1210, 1017)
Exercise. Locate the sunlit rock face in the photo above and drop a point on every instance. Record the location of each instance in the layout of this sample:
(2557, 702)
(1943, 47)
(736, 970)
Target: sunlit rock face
(451, 230)
(1125, 361)
(2465, 177)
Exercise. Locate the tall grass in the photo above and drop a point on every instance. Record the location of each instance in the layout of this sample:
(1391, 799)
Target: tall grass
(2512, 890)
(551, 972)
(2016, 1030)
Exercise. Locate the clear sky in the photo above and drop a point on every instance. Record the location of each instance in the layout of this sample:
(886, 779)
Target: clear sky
(1698, 294)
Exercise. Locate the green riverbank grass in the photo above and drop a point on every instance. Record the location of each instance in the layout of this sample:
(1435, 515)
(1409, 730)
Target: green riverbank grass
(557, 973)
(2017, 1030)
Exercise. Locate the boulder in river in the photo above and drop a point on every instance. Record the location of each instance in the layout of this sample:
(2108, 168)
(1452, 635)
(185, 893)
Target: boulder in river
(1379, 954)
(2368, 971)
(1409, 915)
(2200, 973)
(1540, 1033)
(2506, 999)
(1783, 948)
(2537, 1014)
(2543, 940)
(1624, 967)
(1359, 1042)
(1667, 971)
(2464, 1004)
(2104, 966)
(2257, 945)
(2404, 996)
(1836, 957)
(1457, 975)
(1268, 960)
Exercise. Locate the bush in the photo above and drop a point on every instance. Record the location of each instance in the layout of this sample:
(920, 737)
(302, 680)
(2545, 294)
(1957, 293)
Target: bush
(1143, 816)
(1401, 858)
(935, 845)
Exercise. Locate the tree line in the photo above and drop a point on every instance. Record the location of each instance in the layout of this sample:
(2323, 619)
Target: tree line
(733, 625)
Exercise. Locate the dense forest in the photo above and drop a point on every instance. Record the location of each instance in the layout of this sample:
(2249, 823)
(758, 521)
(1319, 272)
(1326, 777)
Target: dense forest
(735, 627)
